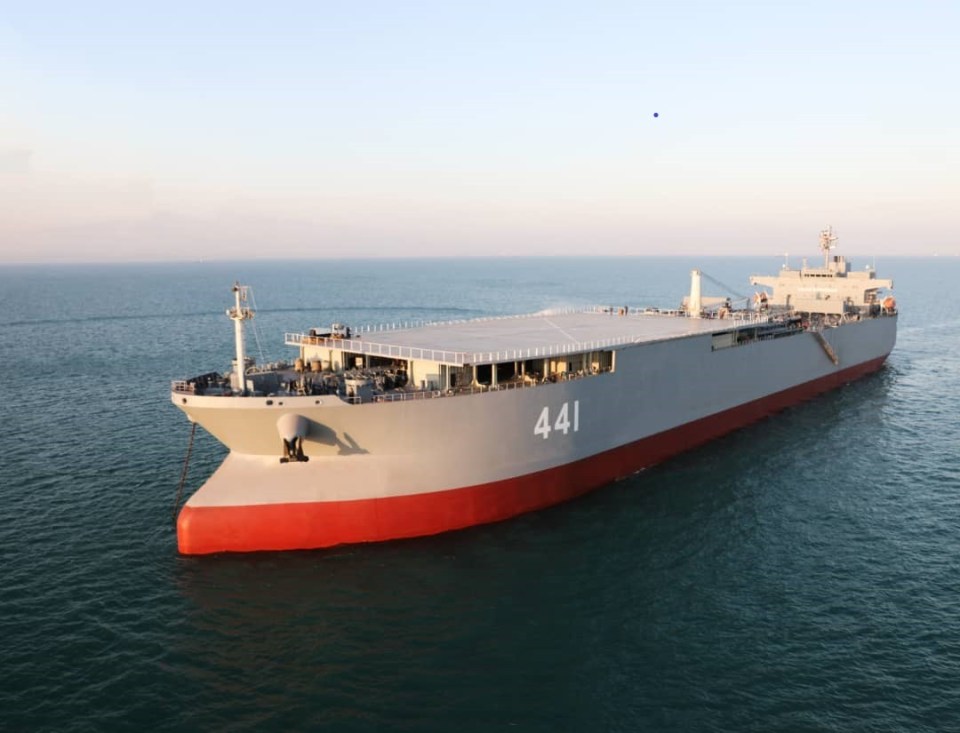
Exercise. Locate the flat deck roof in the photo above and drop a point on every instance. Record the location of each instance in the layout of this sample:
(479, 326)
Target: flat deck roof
(492, 340)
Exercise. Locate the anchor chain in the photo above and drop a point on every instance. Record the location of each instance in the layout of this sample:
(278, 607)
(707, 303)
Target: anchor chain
(183, 473)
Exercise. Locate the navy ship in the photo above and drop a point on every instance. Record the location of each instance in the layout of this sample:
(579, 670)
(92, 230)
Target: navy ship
(376, 434)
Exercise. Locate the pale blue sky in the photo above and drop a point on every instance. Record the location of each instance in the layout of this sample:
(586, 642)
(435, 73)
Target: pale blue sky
(325, 129)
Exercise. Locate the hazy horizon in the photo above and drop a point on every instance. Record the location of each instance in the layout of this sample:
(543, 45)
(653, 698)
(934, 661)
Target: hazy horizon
(857, 261)
(229, 132)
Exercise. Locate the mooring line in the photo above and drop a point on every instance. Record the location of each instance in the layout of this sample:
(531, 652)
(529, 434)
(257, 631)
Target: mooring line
(183, 473)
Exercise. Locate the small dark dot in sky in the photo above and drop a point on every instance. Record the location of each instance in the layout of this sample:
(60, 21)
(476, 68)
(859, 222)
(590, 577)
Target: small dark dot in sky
(656, 114)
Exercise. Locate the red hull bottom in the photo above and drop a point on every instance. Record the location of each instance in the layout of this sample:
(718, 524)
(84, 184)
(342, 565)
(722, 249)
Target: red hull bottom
(203, 530)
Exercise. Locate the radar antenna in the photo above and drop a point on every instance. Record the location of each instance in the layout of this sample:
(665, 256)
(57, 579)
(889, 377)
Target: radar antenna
(827, 238)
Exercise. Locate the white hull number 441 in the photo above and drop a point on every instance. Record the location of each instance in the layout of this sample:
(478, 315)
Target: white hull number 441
(563, 423)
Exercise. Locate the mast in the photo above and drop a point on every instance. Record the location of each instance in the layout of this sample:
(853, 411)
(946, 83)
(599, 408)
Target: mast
(827, 238)
(695, 304)
(238, 314)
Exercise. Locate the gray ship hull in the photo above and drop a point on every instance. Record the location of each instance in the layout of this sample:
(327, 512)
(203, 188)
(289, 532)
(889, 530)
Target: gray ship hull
(385, 470)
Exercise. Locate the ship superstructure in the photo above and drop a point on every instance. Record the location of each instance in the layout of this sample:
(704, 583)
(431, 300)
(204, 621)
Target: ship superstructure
(373, 434)
(834, 291)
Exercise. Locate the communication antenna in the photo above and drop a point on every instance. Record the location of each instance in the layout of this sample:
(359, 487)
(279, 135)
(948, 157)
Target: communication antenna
(827, 238)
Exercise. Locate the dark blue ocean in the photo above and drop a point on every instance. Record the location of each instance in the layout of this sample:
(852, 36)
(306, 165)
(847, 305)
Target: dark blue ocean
(802, 574)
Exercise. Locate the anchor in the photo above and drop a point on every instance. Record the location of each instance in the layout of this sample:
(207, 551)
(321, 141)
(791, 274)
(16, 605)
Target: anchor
(293, 428)
(293, 451)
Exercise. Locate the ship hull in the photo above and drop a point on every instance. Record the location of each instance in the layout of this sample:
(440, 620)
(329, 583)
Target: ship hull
(388, 471)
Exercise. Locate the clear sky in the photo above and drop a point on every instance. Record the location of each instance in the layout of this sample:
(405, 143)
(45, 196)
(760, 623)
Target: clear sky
(146, 131)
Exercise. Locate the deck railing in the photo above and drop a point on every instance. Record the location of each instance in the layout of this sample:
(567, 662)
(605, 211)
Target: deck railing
(371, 348)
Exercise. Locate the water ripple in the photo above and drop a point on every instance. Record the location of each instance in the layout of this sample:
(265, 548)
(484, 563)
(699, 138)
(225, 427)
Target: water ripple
(798, 575)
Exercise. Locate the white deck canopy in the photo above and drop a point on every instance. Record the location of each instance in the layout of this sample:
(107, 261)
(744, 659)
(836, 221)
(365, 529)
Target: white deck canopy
(492, 340)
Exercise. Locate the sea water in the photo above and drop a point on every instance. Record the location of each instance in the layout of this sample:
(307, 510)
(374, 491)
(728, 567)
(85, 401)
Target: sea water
(799, 574)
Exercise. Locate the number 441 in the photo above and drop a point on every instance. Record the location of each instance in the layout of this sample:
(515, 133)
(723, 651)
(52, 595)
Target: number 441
(562, 423)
